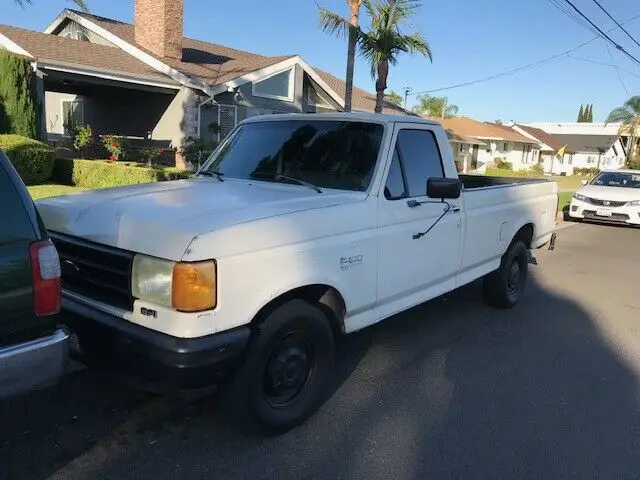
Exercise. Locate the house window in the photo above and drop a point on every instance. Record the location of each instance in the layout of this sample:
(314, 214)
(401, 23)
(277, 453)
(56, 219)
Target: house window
(227, 119)
(505, 146)
(317, 99)
(278, 86)
(73, 116)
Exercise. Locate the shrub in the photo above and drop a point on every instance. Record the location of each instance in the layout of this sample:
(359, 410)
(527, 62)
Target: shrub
(150, 154)
(633, 164)
(116, 146)
(586, 171)
(102, 174)
(196, 150)
(83, 138)
(537, 169)
(32, 159)
(502, 164)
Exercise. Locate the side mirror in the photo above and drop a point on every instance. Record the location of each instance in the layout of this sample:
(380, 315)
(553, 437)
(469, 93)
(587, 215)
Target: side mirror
(584, 182)
(444, 188)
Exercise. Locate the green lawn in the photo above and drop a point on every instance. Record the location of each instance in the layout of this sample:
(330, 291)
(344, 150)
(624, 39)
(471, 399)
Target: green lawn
(564, 200)
(572, 182)
(51, 190)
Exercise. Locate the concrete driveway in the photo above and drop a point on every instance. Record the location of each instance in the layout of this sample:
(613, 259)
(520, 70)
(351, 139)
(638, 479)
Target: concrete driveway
(450, 389)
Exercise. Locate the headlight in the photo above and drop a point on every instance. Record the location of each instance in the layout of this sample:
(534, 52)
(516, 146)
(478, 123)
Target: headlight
(188, 287)
(582, 198)
(635, 203)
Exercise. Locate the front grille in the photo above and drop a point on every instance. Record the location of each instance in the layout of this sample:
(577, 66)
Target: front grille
(95, 271)
(615, 217)
(605, 203)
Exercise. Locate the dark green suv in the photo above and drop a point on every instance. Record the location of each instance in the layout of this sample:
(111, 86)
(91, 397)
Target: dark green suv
(33, 350)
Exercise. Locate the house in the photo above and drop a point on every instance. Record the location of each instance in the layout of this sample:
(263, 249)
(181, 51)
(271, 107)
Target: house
(555, 156)
(592, 145)
(491, 142)
(148, 82)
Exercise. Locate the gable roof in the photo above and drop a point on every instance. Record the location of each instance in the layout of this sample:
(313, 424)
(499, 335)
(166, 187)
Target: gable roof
(587, 143)
(54, 49)
(218, 64)
(467, 127)
(544, 137)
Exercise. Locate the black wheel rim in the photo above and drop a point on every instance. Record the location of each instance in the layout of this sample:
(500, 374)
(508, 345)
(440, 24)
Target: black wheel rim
(514, 278)
(288, 370)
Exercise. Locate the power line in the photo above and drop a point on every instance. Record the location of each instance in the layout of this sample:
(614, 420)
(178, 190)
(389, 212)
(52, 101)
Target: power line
(604, 64)
(618, 46)
(617, 71)
(560, 5)
(525, 67)
(616, 22)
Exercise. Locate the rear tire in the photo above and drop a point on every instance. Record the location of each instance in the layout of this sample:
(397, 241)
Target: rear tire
(504, 287)
(286, 369)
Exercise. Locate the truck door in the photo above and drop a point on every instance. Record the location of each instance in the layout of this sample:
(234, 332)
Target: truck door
(415, 269)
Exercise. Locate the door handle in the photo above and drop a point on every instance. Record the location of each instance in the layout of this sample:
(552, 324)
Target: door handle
(455, 209)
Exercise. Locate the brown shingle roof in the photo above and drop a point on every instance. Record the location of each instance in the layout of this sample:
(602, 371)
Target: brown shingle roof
(51, 47)
(219, 64)
(361, 100)
(467, 127)
(544, 137)
(213, 63)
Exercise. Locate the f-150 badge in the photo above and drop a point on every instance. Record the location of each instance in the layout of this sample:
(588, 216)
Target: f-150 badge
(347, 262)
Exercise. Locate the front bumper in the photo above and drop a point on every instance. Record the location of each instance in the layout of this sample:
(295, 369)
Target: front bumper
(621, 215)
(147, 359)
(33, 365)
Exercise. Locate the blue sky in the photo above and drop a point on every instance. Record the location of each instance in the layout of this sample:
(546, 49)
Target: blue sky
(470, 39)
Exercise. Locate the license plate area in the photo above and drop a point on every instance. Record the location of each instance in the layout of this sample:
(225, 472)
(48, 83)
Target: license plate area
(603, 212)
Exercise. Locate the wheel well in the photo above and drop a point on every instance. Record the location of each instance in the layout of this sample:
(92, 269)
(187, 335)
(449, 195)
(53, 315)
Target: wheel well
(525, 234)
(324, 296)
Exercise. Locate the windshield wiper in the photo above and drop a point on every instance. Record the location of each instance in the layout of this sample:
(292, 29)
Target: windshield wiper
(299, 182)
(210, 173)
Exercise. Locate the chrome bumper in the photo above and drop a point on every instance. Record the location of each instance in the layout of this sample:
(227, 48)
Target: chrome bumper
(34, 364)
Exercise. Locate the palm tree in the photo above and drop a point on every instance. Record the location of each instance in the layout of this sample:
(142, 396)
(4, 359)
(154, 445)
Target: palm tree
(382, 44)
(335, 24)
(629, 116)
(80, 3)
(435, 107)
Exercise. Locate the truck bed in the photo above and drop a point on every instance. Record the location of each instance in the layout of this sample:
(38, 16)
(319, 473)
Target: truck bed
(483, 181)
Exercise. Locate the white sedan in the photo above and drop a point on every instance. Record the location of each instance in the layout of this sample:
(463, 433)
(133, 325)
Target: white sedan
(611, 196)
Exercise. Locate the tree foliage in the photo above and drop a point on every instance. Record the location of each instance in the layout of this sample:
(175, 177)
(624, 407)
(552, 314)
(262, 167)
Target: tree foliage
(629, 118)
(80, 3)
(586, 113)
(20, 111)
(394, 97)
(435, 106)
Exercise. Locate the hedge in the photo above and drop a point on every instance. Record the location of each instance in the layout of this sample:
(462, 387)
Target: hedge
(33, 160)
(102, 174)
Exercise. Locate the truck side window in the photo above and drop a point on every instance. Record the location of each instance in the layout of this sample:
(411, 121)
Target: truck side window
(16, 227)
(420, 158)
(395, 186)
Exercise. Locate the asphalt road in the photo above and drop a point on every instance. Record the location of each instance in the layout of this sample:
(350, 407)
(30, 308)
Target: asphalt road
(450, 389)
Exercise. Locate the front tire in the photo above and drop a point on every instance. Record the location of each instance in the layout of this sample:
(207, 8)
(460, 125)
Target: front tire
(284, 375)
(504, 287)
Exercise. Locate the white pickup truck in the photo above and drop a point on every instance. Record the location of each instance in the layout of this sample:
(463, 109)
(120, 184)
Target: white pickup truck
(299, 228)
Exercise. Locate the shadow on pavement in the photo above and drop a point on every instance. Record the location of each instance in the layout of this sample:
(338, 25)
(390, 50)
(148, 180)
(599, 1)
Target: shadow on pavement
(450, 389)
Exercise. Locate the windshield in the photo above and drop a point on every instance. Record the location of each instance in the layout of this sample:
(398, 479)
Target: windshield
(330, 154)
(617, 179)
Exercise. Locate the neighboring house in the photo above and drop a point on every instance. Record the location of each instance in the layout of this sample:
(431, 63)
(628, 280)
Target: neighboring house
(555, 156)
(148, 82)
(593, 145)
(493, 141)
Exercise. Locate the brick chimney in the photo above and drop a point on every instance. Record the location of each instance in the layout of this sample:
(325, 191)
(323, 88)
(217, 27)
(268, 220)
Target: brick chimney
(159, 26)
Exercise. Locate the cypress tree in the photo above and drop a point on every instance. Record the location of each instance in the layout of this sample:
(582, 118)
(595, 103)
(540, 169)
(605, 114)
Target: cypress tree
(581, 114)
(20, 110)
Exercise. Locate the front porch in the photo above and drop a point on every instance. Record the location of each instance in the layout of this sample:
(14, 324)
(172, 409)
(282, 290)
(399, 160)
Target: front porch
(147, 113)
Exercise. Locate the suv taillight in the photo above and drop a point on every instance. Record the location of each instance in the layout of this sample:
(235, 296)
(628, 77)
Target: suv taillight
(45, 265)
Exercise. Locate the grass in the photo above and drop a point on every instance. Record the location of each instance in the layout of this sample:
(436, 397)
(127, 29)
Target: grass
(564, 200)
(51, 190)
(572, 182)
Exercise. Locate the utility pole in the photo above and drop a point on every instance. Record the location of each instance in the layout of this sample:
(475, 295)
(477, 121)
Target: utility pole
(407, 91)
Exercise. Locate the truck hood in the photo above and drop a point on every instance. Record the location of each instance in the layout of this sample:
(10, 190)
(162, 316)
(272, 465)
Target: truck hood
(161, 219)
(618, 194)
